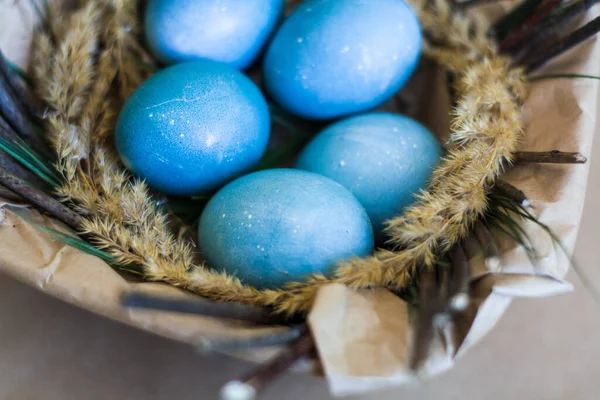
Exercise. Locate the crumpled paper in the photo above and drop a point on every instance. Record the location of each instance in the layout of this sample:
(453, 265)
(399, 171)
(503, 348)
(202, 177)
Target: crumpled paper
(363, 338)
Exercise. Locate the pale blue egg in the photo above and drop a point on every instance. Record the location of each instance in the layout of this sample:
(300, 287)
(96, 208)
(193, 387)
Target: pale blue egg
(277, 226)
(383, 159)
(337, 57)
(229, 31)
(193, 127)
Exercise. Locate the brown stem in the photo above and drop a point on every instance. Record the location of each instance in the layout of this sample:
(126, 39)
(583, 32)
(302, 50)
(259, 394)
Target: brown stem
(17, 169)
(18, 121)
(250, 385)
(550, 27)
(473, 3)
(552, 157)
(516, 36)
(10, 136)
(18, 90)
(512, 192)
(201, 307)
(514, 18)
(278, 338)
(488, 244)
(40, 199)
(429, 292)
(472, 247)
(566, 43)
(460, 279)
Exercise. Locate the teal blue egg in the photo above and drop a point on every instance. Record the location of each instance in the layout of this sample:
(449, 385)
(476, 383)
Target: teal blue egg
(278, 226)
(332, 58)
(193, 127)
(229, 31)
(383, 159)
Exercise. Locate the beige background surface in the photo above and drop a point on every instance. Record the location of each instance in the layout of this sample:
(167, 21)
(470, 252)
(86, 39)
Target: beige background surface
(541, 349)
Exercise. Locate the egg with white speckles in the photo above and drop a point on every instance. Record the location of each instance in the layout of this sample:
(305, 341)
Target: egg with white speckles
(383, 159)
(229, 31)
(338, 57)
(193, 127)
(282, 225)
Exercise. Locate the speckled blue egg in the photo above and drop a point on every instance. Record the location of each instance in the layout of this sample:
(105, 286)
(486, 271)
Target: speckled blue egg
(337, 57)
(193, 127)
(229, 31)
(383, 159)
(277, 226)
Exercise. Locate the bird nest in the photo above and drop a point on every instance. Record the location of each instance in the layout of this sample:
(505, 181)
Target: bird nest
(86, 61)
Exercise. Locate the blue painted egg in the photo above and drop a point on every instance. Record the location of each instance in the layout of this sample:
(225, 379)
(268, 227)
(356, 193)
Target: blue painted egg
(277, 226)
(193, 127)
(230, 31)
(337, 57)
(383, 159)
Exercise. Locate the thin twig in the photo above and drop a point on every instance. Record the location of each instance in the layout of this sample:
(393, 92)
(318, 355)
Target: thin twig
(281, 337)
(40, 199)
(542, 77)
(463, 5)
(423, 326)
(552, 25)
(17, 169)
(16, 118)
(248, 387)
(568, 42)
(460, 279)
(25, 155)
(512, 192)
(488, 244)
(514, 18)
(549, 157)
(516, 36)
(202, 307)
(19, 91)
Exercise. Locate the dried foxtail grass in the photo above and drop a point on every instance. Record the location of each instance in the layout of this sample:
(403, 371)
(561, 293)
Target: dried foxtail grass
(100, 43)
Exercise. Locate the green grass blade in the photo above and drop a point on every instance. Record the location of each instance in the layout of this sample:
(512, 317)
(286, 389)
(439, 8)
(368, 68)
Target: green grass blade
(29, 160)
(37, 10)
(499, 200)
(37, 161)
(76, 243)
(83, 246)
(561, 76)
